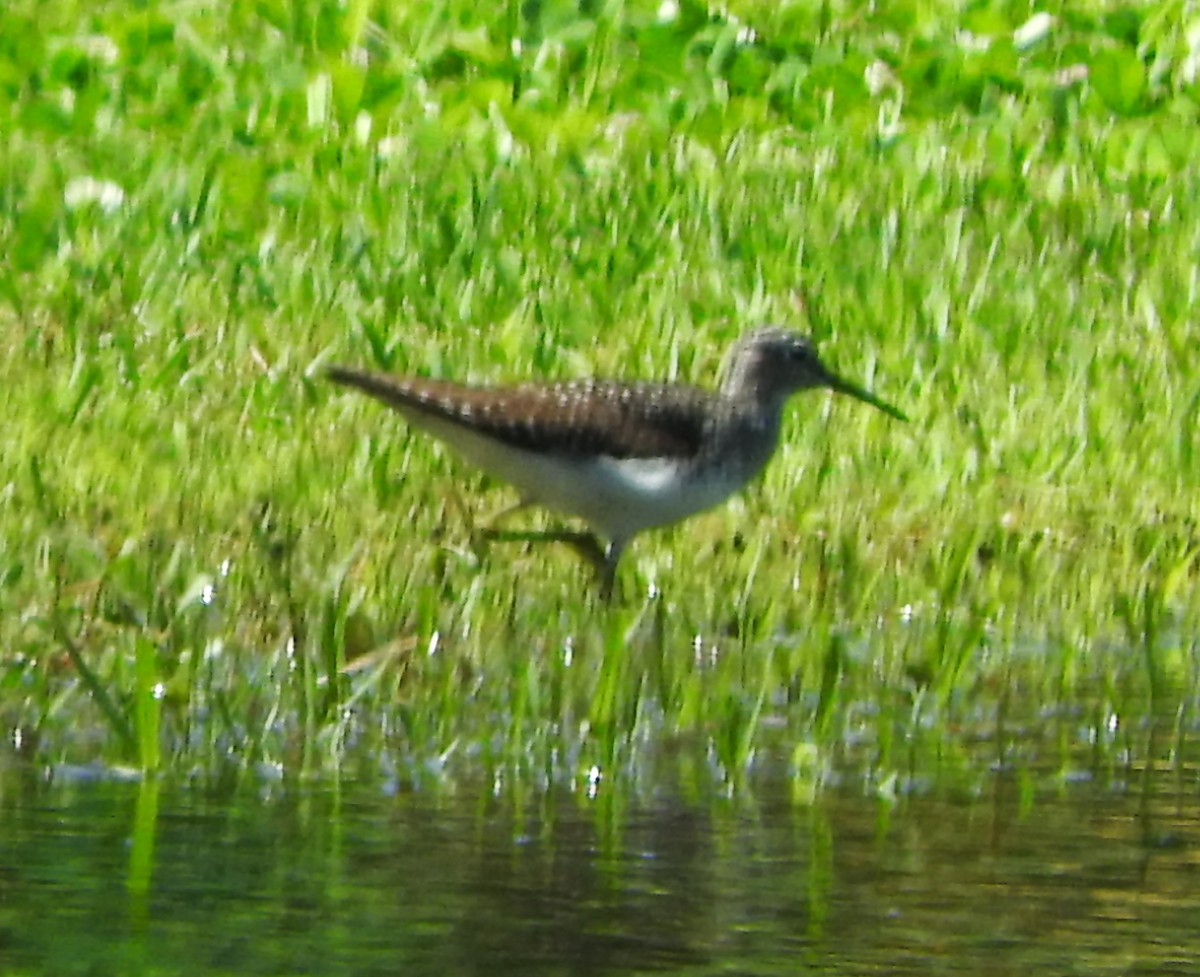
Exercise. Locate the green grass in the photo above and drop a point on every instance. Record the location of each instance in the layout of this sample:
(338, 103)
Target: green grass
(212, 561)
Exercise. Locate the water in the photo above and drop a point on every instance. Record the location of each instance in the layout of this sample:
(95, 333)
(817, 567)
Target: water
(102, 877)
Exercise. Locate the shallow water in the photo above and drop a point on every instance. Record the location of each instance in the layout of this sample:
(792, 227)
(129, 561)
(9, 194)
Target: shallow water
(104, 877)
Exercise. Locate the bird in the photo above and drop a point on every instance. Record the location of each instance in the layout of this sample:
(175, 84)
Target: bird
(621, 456)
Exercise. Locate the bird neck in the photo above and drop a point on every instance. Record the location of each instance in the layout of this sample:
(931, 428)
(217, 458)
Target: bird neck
(744, 435)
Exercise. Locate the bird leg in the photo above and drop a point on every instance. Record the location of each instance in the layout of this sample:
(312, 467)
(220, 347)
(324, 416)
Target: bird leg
(584, 543)
(608, 572)
(501, 515)
(587, 545)
(484, 531)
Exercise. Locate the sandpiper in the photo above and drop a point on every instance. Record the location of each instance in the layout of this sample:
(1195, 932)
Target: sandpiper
(623, 457)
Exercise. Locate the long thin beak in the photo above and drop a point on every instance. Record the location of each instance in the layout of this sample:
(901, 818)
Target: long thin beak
(861, 393)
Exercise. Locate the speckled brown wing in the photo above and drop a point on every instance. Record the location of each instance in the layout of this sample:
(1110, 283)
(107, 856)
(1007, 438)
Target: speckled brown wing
(582, 417)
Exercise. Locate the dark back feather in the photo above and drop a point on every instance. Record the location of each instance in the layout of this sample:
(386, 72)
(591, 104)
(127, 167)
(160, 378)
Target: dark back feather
(580, 417)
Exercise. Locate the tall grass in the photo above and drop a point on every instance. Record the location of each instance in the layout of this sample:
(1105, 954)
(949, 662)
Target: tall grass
(211, 560)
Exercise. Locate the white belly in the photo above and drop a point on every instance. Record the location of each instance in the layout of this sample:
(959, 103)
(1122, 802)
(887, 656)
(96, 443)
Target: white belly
(616, 497)
(623, 497)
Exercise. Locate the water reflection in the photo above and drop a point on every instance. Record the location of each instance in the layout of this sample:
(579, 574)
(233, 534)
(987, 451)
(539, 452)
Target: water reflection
(1097, 879)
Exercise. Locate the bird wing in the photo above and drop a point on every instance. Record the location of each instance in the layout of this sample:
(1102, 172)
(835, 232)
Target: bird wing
(582, 417)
